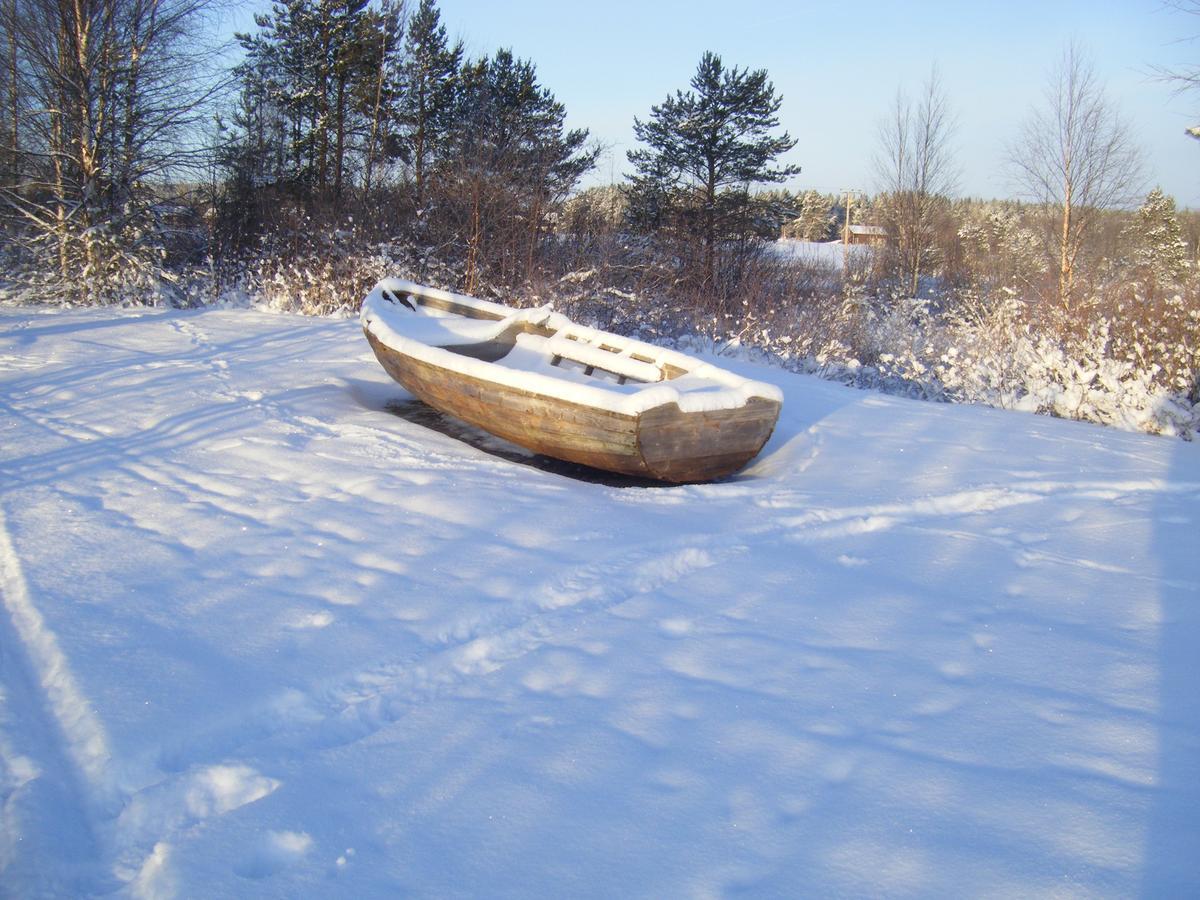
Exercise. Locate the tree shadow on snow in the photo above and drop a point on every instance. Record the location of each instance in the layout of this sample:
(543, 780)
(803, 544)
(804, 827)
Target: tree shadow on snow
(1171, 866)
(26, 334)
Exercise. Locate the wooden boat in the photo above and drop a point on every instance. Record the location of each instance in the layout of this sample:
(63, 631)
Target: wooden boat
(534, 377)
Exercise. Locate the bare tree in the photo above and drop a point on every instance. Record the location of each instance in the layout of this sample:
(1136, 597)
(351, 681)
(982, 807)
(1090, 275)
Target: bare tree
(1187, 78)
(12, 116)
(1075, 155)
(109, 95)
(916, 174)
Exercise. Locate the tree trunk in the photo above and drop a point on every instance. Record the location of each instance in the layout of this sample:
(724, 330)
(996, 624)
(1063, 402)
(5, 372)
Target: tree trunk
(535, 228)
(321, 115)
(137, 46)
(375, 116)
(14, 94)
(85, 147)
(340, 138)
(473, 242)
(710, 231)
(419, 145)
(1066, 261)
(917, 225)
(57, 150)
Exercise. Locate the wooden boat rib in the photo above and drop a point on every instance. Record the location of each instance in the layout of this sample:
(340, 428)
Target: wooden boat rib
(536, 378)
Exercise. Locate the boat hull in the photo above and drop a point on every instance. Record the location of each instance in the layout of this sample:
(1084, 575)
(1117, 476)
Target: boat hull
(664, 442)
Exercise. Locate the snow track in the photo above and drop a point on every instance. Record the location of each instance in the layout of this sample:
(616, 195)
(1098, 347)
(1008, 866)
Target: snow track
(63, 784)
(265, 633)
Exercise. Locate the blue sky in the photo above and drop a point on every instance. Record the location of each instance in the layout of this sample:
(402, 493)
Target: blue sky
(838, 66)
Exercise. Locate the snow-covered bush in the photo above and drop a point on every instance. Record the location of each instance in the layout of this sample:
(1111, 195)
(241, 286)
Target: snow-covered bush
(321, 272)
(119, 262)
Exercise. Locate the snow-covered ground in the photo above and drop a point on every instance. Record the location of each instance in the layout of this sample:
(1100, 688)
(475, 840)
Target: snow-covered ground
(819, 253)
(265, 632)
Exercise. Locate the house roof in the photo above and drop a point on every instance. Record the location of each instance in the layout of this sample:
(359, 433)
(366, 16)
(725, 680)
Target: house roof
(872, 230)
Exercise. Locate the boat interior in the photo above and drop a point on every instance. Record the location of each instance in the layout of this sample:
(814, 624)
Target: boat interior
(571, 350)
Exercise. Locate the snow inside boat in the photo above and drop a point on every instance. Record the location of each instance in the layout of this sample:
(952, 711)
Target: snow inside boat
(537, 379)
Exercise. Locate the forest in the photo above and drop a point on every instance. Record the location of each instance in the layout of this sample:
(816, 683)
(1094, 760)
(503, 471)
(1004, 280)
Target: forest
(353, 139)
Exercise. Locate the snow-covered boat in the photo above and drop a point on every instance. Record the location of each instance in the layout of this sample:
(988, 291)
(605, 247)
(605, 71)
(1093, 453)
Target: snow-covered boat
(538, 379)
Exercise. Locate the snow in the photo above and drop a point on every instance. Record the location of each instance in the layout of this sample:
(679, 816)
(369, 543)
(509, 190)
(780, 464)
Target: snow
(831, 254)
(265, 632)
(420, 336)
(390, 320)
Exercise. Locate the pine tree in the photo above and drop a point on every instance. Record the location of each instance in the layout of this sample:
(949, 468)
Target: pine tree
(508, 161)
(705, 148)
(816, 217)
(1000, 253)
(1157, 239)
(277, 81)
(378, 94)
(349, 61)
(430, 78)
(308, 60)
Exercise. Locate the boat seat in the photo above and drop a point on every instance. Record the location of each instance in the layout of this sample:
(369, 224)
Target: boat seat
(592, 356)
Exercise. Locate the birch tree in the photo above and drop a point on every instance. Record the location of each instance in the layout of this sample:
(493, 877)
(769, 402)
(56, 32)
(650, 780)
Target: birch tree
(109, 96)
(1186, 79)
(1076, 156)
(916, 175)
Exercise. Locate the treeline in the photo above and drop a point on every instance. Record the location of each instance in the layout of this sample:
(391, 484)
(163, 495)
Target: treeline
(133, 166)
(128, 153)
(349, 113)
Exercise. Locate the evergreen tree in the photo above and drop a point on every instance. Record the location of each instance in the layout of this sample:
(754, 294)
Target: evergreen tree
(705, 148)
(1157, 239)
(379, 93)
(253, 152)
(308, 60)
(508, 161)
(276, 81)
(349, 57)
(1001, 255)
(430, 77)
(255, 138)
(816, 217)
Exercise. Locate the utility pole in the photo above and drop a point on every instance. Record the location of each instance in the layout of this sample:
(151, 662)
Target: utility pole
(849, 192)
